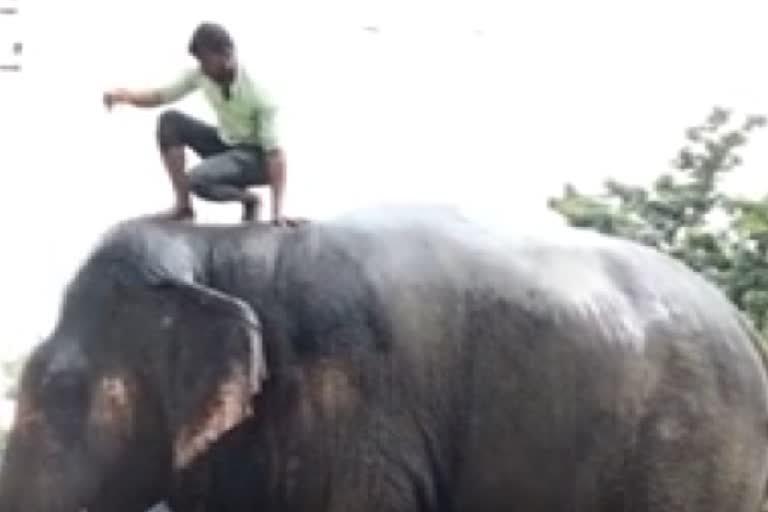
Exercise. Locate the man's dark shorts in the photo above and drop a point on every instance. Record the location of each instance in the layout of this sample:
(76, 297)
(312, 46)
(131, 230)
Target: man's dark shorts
(222, 167)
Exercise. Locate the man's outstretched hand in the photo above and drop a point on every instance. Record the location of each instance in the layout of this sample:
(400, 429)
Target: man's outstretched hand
(112, 98)
(289, 222)
(175, 213)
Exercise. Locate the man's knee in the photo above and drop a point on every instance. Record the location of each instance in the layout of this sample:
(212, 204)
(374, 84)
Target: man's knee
(170, 128)
(205, 179)
(199, 183)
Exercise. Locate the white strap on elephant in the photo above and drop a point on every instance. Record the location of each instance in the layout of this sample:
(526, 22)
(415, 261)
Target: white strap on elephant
(258, 365)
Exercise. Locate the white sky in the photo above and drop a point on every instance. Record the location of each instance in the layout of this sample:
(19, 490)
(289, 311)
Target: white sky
(491, 106)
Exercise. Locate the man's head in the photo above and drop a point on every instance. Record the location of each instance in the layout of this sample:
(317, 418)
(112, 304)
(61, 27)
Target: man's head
(213, 47)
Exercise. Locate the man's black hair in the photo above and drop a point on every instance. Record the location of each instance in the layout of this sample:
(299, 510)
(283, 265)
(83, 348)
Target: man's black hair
(210, 37)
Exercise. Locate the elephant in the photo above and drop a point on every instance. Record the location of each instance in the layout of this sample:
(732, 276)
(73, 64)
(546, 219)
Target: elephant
(387, 360)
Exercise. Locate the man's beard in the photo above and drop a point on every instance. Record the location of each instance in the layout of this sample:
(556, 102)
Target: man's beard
(225, 81)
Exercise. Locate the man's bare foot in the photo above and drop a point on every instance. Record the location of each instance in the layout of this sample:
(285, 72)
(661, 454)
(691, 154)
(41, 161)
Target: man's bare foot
(177, 213)
(288, 222)
(251, 208)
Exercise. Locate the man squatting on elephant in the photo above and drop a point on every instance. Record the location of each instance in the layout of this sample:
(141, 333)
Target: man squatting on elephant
(243, 152)
(415, 364)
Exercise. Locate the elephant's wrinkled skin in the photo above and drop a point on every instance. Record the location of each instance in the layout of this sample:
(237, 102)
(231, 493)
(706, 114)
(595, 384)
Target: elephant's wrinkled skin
(417, 364)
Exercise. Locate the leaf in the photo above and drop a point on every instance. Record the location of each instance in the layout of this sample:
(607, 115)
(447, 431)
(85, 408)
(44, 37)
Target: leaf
(689, 216)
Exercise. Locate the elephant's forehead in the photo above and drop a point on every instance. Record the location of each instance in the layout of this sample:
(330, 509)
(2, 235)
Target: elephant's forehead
(145, 253)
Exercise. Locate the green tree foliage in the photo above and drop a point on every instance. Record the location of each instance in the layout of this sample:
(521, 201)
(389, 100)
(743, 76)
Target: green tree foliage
(686, 212)
(10, 371)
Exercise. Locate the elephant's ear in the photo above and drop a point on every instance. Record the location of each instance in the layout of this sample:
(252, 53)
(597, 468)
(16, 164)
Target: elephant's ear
(215, 364)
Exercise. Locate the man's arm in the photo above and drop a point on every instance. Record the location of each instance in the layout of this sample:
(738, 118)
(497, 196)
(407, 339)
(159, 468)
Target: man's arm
(154, 97)
(145, 99)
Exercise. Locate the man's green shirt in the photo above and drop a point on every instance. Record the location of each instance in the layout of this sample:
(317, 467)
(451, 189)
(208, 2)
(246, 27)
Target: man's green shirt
(247, 117)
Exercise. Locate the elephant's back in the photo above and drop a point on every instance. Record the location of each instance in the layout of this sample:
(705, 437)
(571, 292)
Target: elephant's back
(428, 280)
(439, 268)
(564, 357)
(553, 277)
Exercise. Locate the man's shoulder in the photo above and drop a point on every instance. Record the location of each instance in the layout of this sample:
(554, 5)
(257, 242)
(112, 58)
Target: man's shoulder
(185, 82)
(189, 78)
(191, 74)
(258, 85)
(245, 74)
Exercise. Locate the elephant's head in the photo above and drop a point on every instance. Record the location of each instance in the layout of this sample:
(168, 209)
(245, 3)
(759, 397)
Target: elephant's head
(135, 370)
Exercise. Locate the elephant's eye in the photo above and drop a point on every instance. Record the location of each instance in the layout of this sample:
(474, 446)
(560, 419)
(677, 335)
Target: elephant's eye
(64, 386)
(64, 399)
